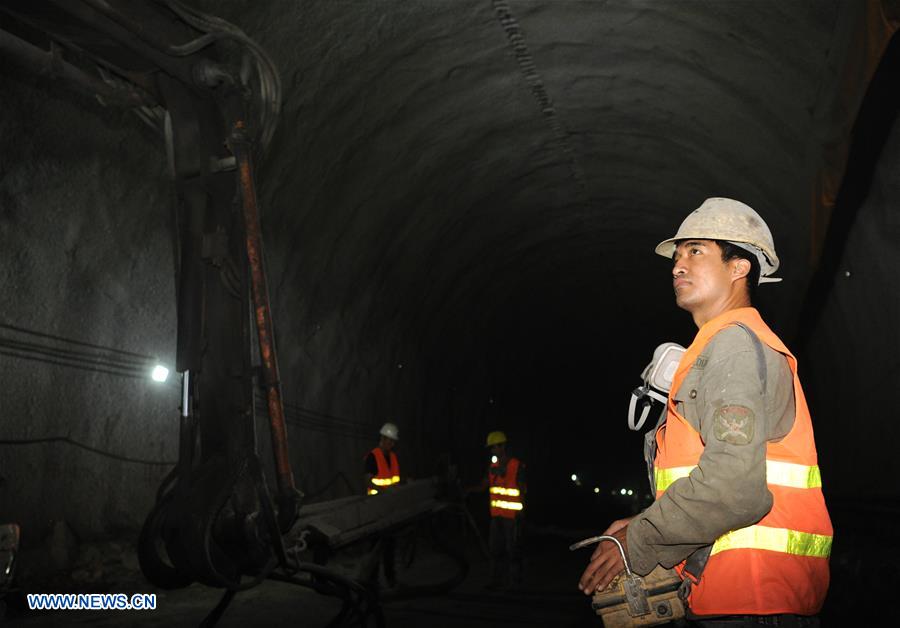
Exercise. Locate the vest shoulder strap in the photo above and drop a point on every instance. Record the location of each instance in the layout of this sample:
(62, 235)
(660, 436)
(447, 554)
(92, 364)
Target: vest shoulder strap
(513, 472)
(380, 460)
(761, 368)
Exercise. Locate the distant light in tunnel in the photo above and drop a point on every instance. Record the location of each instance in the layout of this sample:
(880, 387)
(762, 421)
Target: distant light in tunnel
(847, 273)
(623, 491)
(596, 489)
(574, 478)
(493, 459)
(399, 366)
(160, 373)
(630, 492)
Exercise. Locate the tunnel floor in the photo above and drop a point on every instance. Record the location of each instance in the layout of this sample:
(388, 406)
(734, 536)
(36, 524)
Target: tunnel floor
(864, 573)
(547, 597)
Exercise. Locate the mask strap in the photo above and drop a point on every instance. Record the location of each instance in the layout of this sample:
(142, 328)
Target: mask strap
(640, 393)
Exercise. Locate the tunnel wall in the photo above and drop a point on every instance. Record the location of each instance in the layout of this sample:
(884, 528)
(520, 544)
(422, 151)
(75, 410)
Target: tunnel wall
(853, 365)
(86, 256)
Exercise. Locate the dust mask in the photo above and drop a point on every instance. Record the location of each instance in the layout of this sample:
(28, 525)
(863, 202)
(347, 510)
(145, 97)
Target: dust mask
(657, 378)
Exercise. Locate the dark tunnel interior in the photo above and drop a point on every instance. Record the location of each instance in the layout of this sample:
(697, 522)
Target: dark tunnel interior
(459, 207)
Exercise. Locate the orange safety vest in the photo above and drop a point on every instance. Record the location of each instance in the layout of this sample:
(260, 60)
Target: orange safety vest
(388, 474)
(779, 564)
(505, 494)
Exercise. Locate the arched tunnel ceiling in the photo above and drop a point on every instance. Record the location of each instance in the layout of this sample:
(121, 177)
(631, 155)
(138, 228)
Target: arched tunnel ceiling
(461, 162)
(477, 186)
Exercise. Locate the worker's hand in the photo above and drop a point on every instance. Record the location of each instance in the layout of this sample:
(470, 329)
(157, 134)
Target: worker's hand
(614, 527)
(606, 561)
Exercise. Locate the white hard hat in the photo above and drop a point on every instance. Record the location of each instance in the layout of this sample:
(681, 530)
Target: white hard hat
(390, 430)
(726, 219)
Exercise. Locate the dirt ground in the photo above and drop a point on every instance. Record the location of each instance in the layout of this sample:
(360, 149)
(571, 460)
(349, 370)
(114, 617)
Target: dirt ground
(548, 597)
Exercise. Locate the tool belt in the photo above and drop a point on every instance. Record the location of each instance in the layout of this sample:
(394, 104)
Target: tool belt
(635, 601)
(657, 598)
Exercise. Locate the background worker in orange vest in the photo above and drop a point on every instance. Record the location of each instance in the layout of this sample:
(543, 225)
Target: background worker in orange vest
(382, 471)
(739, 492)
(505, 482)
(382, 467)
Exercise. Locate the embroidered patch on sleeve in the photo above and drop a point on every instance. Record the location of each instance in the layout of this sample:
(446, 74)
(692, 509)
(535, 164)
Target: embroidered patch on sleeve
(734, 424)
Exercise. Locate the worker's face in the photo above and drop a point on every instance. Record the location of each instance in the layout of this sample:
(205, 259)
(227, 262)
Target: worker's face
(699, 276)
(498, 450)
(387, 443)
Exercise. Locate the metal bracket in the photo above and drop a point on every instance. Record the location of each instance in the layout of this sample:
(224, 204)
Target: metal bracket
(636, 596)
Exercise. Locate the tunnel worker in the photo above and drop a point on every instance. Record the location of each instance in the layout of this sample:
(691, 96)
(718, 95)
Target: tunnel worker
(505, 482)
(739, 508)
(382, 471)
(382, 468)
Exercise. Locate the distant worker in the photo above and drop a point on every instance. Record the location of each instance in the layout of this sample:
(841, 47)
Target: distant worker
(739, 508)
(505, 482)
(382, 469)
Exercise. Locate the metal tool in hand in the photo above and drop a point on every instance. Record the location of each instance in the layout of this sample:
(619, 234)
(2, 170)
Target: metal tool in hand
(632, 584)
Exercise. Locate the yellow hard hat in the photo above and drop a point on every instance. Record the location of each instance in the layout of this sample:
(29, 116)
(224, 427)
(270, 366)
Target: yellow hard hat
(732, 221)
(495, 438)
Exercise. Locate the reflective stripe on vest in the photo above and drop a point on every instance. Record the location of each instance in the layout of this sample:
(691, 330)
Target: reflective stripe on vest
(500, 490)
(763, 537)
(775, 540)
(499, 503)
(777, 472)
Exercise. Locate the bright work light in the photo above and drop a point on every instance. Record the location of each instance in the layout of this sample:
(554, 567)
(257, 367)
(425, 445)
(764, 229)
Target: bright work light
(160, 373)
